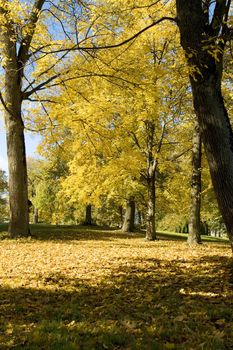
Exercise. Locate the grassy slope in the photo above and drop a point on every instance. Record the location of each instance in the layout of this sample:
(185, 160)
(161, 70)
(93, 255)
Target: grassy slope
(76, 288)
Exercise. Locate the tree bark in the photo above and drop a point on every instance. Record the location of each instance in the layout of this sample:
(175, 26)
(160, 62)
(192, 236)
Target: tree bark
(128, 224)
(198, 31)
(194, 236)
(18, 191)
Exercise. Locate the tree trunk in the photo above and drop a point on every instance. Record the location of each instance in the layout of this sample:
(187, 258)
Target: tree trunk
(140, 218)
(128, 225)
(18, 189)
(88, 219)
(218, 141)
(15, 56)
(151, 177)
(120, 208)
(18, 195)
(198, 31)
(150, 215)
(194, 236)
(36, 215)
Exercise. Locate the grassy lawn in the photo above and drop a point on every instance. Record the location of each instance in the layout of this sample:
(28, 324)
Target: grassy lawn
(93, 289)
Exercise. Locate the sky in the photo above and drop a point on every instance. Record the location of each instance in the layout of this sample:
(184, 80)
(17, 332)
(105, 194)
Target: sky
(31, 141)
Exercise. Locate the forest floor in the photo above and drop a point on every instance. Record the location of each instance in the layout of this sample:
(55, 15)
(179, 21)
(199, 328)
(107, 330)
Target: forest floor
(93, 289)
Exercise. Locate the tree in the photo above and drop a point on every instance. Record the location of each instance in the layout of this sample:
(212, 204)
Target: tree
(125, 117)
(203, 39)
(31, 62)
(15, 57)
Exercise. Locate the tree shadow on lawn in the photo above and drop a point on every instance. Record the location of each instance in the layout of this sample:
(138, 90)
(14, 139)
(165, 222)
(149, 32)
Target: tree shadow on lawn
(159, 305)
(44, 232)
(83, 234)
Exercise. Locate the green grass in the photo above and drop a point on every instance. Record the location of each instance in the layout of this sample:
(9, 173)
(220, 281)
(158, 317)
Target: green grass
(66, 232)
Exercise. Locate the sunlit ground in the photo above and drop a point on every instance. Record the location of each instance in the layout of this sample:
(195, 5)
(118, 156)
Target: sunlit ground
(70, 288)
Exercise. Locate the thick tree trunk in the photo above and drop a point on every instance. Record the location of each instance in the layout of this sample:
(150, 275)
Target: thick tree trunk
(150, 215)
(197, 32)
(88, 219)
(128, 224)
(218, 141)
(15, 56)
(18, 190)
(194, 236)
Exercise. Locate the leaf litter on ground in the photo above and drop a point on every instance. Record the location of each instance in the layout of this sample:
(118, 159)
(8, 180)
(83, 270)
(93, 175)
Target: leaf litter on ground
(106, 290)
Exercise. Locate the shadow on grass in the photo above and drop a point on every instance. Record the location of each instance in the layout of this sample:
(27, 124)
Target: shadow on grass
(161, 305)
(45, 232)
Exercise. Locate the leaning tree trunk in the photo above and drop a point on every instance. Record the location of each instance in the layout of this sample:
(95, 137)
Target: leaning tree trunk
(128, 224)
(198, 35)
(18, 190)
(194, 236)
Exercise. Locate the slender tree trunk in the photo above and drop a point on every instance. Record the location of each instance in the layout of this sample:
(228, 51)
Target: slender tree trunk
(36, 216)
(128, 225)
(121, 215)
(194, 236)
(140, 218)
(151, 178)
(198, 31)
(150, 215)
(88, 219)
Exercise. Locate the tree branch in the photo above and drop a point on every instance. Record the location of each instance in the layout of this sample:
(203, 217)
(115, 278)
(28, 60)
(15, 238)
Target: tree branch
(83, 48)
(26, 42)
(25, 94)
(217, 20)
